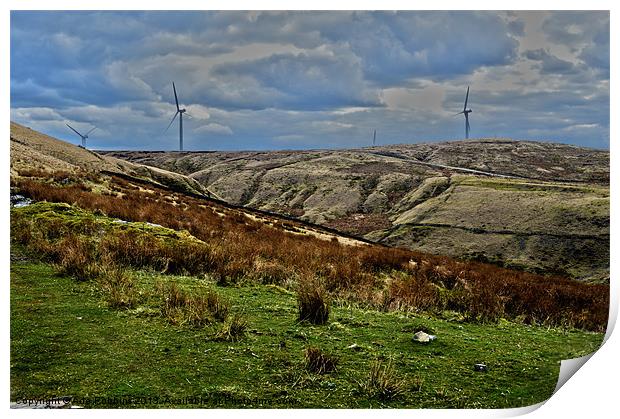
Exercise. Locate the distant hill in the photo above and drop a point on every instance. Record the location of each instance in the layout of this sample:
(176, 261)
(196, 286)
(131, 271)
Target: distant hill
(538, 206)
(32, 150)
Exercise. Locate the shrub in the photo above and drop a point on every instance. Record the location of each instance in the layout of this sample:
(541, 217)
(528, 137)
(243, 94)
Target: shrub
(312, 301)
(411, 292)
(382, 382)
(485, 305)
(319, 362)
(270, 272)
(35, 172)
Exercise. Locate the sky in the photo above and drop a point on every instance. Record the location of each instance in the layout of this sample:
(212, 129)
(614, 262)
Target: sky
(298, 80)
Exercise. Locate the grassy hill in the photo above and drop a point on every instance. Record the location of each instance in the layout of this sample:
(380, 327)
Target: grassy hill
(543, 207)
(135, 358)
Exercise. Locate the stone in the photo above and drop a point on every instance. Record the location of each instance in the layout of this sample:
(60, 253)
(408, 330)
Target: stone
(18, 201)
(423, 337)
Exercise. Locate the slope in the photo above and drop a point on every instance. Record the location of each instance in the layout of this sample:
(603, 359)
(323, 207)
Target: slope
(533, 205)
(32, 150)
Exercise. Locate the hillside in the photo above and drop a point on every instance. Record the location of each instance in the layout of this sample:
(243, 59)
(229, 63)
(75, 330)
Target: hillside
(538, 206)
(32, 151)
(109, 269)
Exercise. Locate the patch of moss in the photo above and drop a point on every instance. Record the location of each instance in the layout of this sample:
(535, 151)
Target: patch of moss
(75, 219)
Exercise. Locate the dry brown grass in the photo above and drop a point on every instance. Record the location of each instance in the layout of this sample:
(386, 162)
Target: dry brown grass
(118, 287)
(312, 301)
(238, 248)
(75, 259)
(318, 361)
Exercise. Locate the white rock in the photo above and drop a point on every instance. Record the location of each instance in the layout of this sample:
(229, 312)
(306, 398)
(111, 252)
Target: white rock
(423, 337)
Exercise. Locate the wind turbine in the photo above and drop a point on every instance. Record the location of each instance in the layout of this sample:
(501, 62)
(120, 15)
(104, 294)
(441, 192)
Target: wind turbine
(374, 138)
(466, 112)
(179, 112)
(83, 137)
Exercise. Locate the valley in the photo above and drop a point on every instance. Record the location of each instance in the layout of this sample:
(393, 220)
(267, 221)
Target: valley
(542, 207)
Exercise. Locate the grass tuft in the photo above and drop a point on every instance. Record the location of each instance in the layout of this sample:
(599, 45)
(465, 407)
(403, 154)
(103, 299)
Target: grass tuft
(318, 361)
(119, 288)
(312, 301)
(197, 308)
(75, 258)
(382, 382)
(233, 330)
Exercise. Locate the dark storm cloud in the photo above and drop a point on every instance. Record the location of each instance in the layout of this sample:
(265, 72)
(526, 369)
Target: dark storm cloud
(549, 63)
(574, 28)
(395, 47)
(389, 47)
(586, 33)
(596, 53)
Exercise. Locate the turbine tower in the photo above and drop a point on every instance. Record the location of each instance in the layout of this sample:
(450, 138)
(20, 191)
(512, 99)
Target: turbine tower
(466, 112)
(179, 112)
(83, 137)
(374, 138)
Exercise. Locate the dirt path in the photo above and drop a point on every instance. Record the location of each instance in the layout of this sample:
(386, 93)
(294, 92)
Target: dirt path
(443, 166)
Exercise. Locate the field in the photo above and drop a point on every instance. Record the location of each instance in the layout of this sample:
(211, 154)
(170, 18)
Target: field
(65, 340)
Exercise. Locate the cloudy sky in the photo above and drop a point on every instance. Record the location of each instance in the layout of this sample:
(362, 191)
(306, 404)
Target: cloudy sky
(253, 80)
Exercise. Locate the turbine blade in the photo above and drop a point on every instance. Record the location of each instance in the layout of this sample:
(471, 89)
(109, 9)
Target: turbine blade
(91, 130)
(176, 99)
(458, 113)
(74, 130)
(188, 115)
(466, 97)
(175, 115)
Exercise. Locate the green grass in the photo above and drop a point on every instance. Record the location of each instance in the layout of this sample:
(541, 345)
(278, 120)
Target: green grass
(530, 186)
(66, 341)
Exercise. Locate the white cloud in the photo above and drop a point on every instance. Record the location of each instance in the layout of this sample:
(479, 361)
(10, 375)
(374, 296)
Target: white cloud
(331, 125)
(581, 127)
(214, 128)
(197, 111)
(67, 42)
(428, 98)
(40, 114)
